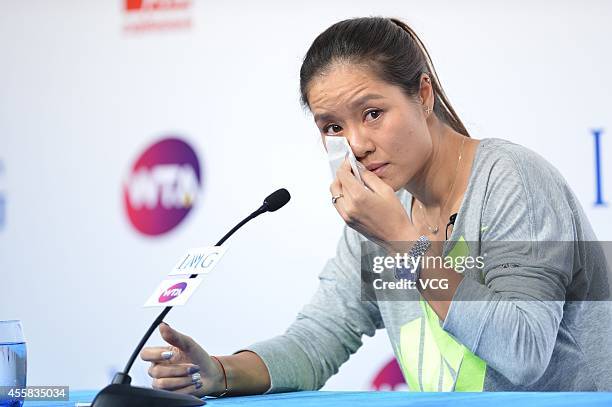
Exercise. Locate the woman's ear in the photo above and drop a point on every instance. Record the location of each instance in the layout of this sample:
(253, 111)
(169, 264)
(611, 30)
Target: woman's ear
(426, 94)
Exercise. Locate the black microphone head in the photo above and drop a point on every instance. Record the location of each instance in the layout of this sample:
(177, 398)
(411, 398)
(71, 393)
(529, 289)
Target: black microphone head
(276, 200)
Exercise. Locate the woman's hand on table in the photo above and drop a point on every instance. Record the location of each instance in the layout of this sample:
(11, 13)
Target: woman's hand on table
(183, 366)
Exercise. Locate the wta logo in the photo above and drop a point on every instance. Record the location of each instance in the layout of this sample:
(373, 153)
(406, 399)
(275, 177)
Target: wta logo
(172, 292)
(162, 186)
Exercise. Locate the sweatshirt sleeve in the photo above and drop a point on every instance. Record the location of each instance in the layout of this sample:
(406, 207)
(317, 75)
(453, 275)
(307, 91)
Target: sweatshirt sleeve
(327, 330)
(511, 317)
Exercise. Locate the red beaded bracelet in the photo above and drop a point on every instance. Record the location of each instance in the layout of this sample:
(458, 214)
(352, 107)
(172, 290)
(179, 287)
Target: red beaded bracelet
(224, 376)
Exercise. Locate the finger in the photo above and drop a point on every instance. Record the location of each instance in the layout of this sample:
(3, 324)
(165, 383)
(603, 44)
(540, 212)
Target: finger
(348, 168)
(372, 181)
(157, 353)
(350, 184)
(345, 172)
(335, 188)
(158, 371)
(174, 383)
(345, 167)
(174, 337)
(337, 191)
(195, 389)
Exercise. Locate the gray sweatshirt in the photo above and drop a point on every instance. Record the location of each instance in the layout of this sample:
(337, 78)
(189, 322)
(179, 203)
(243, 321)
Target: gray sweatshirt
(527, 320)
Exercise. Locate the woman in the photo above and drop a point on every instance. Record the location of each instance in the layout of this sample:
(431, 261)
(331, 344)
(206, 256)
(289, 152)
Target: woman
(508, 325)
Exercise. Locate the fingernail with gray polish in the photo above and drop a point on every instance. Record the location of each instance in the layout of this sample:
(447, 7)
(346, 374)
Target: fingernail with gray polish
(195, 377)
(167, 354)
(193, 369)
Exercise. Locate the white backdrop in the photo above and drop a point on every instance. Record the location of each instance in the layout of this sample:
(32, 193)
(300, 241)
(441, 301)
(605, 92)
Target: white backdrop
(87, 86)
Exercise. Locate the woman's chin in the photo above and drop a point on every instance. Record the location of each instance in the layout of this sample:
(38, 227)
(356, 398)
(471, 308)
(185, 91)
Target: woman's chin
(396, 187)
(392, 182)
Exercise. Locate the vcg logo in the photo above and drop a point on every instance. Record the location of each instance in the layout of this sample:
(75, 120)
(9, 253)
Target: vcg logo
(172, 292)
(162, 186)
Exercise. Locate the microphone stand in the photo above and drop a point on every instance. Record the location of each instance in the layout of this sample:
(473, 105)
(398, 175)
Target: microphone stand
(120, 393)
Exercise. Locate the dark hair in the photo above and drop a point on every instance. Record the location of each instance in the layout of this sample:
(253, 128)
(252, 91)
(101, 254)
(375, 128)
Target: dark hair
(388, 46)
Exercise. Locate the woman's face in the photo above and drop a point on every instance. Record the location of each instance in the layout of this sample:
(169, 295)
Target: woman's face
(386, 130)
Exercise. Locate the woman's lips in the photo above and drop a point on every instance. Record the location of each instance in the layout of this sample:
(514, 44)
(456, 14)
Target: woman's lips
(379, 170)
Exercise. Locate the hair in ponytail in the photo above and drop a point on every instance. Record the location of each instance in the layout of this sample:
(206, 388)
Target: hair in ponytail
(387, 45)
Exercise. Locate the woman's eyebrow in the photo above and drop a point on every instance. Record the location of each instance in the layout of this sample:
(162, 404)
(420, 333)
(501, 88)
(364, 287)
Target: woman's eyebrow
(324, 117)
(356, 103)
(365, 98)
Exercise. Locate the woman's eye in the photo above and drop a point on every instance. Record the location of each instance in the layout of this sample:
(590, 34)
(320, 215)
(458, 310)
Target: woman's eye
(334, 127)
(373, 114)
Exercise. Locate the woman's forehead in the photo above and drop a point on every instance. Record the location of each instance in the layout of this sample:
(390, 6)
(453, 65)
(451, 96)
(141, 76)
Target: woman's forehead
(344, 85)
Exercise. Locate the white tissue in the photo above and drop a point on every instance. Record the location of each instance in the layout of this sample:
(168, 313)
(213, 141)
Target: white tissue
(337, 149)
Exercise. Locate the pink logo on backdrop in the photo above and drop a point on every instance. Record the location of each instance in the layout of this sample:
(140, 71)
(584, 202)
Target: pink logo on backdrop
(172, 292)
(390, 377)
(162, 186)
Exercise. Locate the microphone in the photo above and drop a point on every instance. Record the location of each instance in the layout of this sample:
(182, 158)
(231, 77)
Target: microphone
(276, 200)
(273, 202)
(120, 393)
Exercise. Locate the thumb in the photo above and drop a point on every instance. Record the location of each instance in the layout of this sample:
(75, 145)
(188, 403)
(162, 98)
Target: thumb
(174, 337)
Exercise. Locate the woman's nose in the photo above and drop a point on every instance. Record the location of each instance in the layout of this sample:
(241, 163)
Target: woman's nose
(360, 142)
